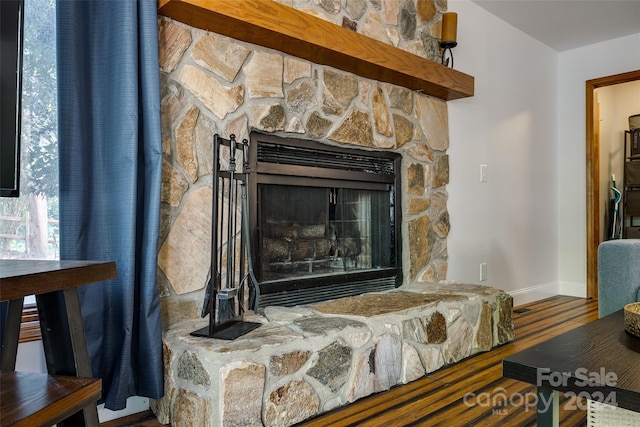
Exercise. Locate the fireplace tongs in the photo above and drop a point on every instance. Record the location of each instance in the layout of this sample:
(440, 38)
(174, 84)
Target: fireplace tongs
(228, 300)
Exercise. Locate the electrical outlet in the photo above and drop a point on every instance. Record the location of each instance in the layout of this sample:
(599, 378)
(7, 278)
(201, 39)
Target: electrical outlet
(483, 173)
(483, 271)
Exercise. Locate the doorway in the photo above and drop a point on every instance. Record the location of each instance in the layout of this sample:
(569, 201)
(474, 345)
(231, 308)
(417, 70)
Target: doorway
(594, 233)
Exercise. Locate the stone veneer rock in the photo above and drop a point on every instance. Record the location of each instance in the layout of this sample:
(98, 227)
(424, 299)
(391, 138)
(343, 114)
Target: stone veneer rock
(214, 84)
(306, 360)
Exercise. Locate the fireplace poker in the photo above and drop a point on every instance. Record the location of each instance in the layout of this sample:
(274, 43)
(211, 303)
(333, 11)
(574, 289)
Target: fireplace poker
(213, 279)
(243, 246)
(254, 293)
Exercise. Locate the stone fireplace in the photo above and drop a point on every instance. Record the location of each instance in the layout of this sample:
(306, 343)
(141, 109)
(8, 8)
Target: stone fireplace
(324, 220)
(213, 84)
(310, 358)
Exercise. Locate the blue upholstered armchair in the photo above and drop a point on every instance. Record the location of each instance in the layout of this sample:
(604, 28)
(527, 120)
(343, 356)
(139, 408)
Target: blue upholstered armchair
(618, 274)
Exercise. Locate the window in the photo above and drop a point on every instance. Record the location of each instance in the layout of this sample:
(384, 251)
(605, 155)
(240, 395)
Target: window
(29, 223)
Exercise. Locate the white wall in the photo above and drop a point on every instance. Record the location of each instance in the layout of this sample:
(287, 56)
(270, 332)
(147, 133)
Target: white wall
(526, 122)
(509, 222)
(575, 68)
(609, 154)
(30, 357)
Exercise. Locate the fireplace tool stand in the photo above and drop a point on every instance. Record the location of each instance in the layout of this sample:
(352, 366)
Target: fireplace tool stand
(225, 304)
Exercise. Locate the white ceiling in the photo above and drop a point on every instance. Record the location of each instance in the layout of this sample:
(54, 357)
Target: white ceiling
(568, 24)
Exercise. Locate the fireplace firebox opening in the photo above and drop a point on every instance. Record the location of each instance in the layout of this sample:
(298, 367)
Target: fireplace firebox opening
(325, 221)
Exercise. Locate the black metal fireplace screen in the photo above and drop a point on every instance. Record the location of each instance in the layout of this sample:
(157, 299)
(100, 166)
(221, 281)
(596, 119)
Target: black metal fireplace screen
(324, 221)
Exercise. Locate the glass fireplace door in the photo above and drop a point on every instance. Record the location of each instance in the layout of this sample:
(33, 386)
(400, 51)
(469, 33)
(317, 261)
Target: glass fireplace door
(314, 231)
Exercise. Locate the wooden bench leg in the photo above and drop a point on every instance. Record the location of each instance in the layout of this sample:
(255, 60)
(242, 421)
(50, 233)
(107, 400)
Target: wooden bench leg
(11, 335)
(80, 350)
(65, 346)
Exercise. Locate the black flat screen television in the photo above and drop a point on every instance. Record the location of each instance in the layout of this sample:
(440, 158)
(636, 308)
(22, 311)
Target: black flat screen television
(11, 35)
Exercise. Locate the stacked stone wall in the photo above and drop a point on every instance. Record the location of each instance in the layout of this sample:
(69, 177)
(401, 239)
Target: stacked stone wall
(214, 84)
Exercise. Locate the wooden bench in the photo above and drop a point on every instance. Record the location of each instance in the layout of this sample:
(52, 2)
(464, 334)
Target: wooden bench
(31, 399)
(36, 399)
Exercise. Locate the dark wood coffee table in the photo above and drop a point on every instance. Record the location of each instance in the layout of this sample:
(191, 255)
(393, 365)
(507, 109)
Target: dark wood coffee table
(599, 360)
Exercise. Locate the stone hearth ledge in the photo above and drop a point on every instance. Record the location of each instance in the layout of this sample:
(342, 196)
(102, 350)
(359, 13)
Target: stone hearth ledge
(307, 360)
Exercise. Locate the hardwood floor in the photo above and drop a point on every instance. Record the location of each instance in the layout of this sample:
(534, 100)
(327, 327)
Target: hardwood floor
(473, 392)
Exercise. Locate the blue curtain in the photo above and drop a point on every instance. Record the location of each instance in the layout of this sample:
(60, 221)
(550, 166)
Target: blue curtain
(110, 176)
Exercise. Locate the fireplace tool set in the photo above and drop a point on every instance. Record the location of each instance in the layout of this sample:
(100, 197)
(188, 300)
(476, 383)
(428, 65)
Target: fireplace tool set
(224, 293)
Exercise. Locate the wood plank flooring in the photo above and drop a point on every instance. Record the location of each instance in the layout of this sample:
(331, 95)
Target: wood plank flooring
(473, 391)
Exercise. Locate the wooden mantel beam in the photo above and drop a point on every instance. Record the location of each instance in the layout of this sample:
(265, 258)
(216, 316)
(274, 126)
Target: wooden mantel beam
(276, 26)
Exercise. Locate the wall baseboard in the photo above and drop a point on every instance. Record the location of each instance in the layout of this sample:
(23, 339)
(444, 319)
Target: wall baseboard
(534, 293)
(135, 405)
(133, 419)
(573, 289)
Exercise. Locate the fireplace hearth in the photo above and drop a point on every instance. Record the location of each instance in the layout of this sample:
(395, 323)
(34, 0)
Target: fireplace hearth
(324, 220)
(303, 361)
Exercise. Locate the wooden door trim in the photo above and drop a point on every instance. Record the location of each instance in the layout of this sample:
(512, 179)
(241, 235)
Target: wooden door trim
(594, 236)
